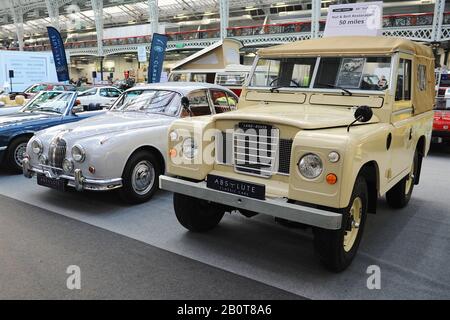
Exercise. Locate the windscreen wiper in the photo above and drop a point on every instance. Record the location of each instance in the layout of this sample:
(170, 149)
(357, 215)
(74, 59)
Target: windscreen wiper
(336, 87)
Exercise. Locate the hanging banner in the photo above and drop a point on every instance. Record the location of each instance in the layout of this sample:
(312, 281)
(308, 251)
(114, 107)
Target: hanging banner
(355, 19)
(157, 55)
(59, 54)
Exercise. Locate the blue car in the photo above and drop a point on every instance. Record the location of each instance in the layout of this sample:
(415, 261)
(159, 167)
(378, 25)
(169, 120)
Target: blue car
(47, 109)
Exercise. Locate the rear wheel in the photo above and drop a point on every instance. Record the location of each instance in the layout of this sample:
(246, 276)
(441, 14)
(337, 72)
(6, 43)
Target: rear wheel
(195, 214)
(14, 157)
(337, 248)
(399, 196)
(140, 177)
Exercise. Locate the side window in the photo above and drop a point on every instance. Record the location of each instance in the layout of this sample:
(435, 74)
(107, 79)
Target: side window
(58, 88)
(220, 101)
(232, 101)
(104, 92)
(403, 90)
(422, 77)
(113, 93)
(198, 77)
(199, 104)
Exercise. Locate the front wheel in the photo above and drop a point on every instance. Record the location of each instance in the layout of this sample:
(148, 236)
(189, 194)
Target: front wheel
(197, 215)
(400, 194)
(140, 177)
(337, 248)
(14, 158)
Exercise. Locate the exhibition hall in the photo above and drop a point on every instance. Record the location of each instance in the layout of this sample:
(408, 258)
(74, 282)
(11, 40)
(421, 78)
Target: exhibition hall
(224, 156)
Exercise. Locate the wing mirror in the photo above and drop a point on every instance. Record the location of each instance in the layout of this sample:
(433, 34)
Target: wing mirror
(185, 104)
(362, 114)
(77, 107)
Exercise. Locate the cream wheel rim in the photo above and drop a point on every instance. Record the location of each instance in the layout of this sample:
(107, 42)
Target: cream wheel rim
(355, 221)
(409, 180)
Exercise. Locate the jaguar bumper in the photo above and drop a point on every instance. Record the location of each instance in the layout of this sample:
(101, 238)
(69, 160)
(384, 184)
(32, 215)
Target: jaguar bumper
(272, 207)
(77, 181)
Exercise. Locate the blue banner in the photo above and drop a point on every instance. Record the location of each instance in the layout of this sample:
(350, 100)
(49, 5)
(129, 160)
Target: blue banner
(157, 55)
(59, 54)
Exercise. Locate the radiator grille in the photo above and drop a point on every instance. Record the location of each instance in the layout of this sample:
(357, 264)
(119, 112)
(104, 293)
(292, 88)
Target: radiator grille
(57, 152)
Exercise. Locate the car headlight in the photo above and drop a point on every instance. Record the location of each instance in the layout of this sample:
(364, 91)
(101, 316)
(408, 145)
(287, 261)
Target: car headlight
(173, 136)
(310, 166)
(36, 146)
(67, 166)
(189, 148)
(78, 153)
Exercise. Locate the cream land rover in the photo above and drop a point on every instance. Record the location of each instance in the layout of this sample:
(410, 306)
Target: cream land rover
(313, 143)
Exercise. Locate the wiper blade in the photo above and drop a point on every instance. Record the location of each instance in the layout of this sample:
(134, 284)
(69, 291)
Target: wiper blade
(336, 87)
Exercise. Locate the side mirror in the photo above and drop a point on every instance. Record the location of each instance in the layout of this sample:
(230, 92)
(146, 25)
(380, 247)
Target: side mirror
(362, 114)
(77, 109)
(186, 105)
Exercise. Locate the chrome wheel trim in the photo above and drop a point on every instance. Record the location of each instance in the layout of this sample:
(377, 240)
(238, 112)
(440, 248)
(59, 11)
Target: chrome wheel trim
(143, 177)
(19, 152)
(355, 222)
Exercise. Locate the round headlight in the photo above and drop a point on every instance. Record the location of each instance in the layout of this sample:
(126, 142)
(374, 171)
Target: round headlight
(43, 159)
(78, 153)
(189, 148)
(310, 166)
(36, 146)
(333, 157)
(173, 136)
(67, 166)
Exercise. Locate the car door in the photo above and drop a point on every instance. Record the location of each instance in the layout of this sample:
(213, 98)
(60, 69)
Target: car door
(402, 118)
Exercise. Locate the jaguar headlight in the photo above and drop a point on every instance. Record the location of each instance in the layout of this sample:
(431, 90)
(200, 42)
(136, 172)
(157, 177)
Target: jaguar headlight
(310, 166)
(67, 166)
(36, 146)
(189, 148)
(78, 153)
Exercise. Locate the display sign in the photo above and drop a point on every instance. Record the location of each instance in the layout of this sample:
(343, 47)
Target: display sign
(356, 19)
(157, 55)
(59, 54)
(350, 72)
(142, 54)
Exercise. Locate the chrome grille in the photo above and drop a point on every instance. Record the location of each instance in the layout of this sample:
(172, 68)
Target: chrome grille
(255, 149)
(57, 152)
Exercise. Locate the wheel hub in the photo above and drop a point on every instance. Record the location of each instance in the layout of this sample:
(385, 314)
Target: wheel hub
(19, 152)
(143, 177)
(352, 230)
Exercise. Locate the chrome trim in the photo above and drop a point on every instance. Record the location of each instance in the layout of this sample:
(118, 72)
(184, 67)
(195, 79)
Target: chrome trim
(275, 207)
(3, 148)
(78, 181)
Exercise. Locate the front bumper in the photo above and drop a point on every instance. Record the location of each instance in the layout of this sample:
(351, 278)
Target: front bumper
(77, 181)
(279, 208)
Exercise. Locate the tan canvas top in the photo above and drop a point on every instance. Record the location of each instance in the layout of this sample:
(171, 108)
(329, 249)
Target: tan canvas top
(347, 45)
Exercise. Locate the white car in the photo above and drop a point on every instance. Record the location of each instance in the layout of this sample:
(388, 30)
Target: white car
(125, 148)
(101, 96)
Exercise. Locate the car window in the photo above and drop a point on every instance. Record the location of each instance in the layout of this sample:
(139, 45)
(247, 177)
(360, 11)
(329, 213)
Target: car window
(198, 102)
(50, 102)
(113, 93)
(58, 88)
(37, 88)
(104, 92)
(220, 101)
(178, 77)
(154, 101)
(125, 98)
(403, 89)
(89, 92)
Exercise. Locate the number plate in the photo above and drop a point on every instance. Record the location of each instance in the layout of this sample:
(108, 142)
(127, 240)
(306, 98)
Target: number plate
(57, 184)
(250, 190)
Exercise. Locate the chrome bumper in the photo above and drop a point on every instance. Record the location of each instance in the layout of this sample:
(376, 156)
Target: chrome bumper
(273, 207)
(78, 181)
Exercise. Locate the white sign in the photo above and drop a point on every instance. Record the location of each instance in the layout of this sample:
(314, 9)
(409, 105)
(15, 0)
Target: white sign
(142, 54)
(356, 19)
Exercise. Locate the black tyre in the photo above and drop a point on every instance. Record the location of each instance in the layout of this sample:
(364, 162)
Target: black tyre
(337, 248)
(140, 177)
(195, 214)
(14, 157)
(400, 194)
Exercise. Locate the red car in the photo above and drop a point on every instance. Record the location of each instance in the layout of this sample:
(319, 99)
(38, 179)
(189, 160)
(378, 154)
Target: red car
(441, 126)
